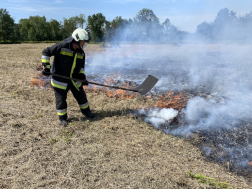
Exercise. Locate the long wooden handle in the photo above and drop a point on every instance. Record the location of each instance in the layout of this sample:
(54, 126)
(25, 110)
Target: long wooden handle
(65, 77)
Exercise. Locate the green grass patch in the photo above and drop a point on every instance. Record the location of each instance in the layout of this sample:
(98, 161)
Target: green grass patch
(209, 181)
(66, 135)
(10, 42)
(41, 41)
(53, 140)
(15, 95)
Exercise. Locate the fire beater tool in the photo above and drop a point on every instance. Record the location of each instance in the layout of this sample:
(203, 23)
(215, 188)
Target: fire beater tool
(144, 88)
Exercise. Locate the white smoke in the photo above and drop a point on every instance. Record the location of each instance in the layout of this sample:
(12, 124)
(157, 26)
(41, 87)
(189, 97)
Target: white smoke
(157, 117)
(218, 75)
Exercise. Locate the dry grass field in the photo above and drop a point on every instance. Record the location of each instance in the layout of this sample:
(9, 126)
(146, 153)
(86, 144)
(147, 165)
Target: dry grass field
(114, 150)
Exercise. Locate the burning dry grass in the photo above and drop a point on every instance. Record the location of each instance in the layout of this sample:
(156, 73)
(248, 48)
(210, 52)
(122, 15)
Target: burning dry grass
(171, 100)
(114, 150)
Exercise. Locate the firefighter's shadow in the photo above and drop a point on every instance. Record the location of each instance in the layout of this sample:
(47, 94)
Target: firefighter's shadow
(101, 114)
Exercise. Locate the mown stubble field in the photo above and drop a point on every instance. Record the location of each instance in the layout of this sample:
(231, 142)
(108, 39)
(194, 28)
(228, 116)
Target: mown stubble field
(114, 150)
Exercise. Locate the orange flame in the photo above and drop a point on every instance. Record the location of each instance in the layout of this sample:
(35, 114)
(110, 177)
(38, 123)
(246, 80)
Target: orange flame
(172, 101)
(168, 101)
(37, 82)
(148, 96)
(120, 94)
(111, 79)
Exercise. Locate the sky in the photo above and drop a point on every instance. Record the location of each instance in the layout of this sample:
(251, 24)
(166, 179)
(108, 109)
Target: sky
(186, 15)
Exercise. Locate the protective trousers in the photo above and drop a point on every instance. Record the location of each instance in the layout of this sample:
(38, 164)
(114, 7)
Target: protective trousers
(61, 104)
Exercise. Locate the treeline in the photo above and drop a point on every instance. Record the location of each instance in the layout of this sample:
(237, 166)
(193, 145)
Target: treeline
(144, 27)
(227, 26)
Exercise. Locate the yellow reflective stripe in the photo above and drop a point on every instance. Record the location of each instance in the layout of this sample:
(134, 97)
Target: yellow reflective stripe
(58, 86)
(45, 61)
(47, 66)
(74, 64)
(61, 113)
(79, 85)
(66, 53)
(84, 107)
(79, 56)
(82, 72)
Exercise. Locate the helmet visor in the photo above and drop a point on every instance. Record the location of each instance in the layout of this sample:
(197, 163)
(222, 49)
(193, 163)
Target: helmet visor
(85, 45)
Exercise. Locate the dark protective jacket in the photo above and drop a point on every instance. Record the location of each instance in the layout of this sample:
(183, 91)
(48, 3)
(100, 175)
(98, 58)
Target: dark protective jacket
(67, 62)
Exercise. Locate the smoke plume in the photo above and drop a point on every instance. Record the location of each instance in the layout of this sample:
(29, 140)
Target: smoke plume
(216, 77)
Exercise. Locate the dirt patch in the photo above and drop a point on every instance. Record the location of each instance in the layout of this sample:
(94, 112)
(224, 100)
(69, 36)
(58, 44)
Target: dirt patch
(114, 150)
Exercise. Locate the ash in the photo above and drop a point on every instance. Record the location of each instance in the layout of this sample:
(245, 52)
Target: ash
(223, 139)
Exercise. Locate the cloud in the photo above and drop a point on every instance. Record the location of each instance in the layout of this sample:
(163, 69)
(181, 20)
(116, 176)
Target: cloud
(40, 6)
(58, 2)
(43, 9)
(24, 8)
(139, 1)
(125, 1)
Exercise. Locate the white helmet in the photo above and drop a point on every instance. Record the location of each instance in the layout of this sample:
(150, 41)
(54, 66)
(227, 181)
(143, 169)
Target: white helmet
(81, 34)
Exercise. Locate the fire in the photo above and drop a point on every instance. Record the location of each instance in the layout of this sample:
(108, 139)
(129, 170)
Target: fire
(120, 94)
(111, 79)
(172, 101)
(148, 96)
(94, 88)
(37, 82)
(168, 101)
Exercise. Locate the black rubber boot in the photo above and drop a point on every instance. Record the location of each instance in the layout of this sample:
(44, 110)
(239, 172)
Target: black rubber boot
(63, 122)
(89, 114)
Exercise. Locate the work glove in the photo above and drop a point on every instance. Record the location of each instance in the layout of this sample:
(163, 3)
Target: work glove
(46, 69)
(83, 78)
(85, 82)
(46, 72)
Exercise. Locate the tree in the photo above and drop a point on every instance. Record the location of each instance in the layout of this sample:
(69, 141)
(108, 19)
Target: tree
(41, 27)
(118, 28)
(165, 28)
(6, 25)
(55, 28)
(118, 22)
(146, 16)
(224, 24)
(96, 25)
(81, 20)
(205, 29)
(108, 31)
(222, 17)
(32, 34)
(166, 25)
(24, 25)
(245, 26)
(35, 28)
(15, 35)
(147, 23)
(70, 25)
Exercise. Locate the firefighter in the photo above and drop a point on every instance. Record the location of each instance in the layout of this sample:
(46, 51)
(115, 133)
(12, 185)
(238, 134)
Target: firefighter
(69, 60)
